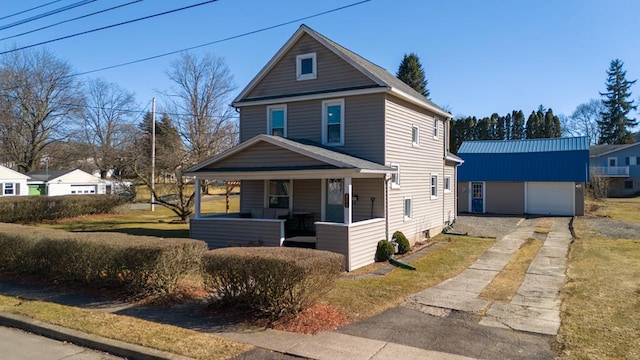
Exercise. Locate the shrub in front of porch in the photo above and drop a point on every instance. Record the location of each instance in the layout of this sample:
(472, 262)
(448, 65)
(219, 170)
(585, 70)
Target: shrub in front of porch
(403, 243)
(272, 281)
(385, 250)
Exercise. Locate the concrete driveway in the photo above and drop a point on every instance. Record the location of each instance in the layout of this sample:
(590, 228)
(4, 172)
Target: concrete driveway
(450, 318)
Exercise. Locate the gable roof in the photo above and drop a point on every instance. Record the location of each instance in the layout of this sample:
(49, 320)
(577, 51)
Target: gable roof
(12, 173)
(307, 148)
(525, 146)
(376, 73)
(600, 150)
(44, 175)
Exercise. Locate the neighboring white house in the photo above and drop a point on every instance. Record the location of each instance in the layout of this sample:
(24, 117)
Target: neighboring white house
(66, 182)
(12, 183)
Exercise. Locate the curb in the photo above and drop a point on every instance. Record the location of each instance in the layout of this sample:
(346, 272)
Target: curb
(114, 347)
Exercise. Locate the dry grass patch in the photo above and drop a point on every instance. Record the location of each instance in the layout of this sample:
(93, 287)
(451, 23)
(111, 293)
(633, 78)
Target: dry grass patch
(362, 298)
(601, 307)
(624, 209)
(505, 285)
(135, 331)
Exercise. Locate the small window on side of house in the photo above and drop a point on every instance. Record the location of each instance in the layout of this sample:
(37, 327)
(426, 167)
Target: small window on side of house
(306, 67)
(8, 189)
(333, 122)
(415, 135)
(434, 186)
(435, 127)
(447, 183)
(407, 208)
(628, 184)
(277, 120)
(395, 177)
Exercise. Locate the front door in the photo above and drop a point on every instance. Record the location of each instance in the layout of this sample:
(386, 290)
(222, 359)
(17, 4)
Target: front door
(334, 209)
(477, 197)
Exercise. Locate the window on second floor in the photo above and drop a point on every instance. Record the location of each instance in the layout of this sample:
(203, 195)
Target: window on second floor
(277, 120)
(435, 127)
(612, 161)
(306, 67)
(415, 135)
(333, 122)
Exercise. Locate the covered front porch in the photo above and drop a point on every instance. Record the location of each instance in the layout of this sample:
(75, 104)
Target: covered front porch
(325, 205)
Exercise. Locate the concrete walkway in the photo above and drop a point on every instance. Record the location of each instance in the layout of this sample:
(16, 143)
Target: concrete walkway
(536, 307)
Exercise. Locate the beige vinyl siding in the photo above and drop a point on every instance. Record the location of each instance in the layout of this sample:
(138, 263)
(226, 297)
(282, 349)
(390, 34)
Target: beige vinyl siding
(364, 124)
(332, 73)
(366, 189)
(224, 232)
(251, 195)
(504, 197)
(463, 197)
(417, 163)
(334, 238)
(263, 153)
(307, 197)
(363, 241)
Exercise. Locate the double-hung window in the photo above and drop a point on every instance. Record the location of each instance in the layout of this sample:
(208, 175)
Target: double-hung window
(279, 193)
(395, 177)
(435, 127)
(9, 189)
(333, 122)
(306, 67)
(415, 135)
(277, 120)
(434, 186)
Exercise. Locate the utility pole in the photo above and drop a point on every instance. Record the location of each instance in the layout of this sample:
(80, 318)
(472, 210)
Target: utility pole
(153, 153)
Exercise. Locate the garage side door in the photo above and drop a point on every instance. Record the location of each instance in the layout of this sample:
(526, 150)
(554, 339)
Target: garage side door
(550, 198)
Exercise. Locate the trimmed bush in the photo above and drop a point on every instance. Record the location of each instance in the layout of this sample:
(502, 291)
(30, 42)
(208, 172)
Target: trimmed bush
(273, 281)
(27, 209)
(384, 251)
(139, 265)
(403, 243)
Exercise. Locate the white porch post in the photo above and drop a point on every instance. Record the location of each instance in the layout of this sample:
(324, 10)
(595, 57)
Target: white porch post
(348, 206)
(198, 198)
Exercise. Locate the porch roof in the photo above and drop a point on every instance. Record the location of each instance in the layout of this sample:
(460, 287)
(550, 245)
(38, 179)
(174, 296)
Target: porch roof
(297, 159)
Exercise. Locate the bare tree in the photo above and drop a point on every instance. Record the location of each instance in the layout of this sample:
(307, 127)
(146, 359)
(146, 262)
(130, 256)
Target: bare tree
(38, 98)
(584, 121)
(200, 103)
(107, 124)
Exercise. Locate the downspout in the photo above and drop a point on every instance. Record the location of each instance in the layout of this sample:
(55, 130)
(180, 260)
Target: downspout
(387, 180)
(444, 161)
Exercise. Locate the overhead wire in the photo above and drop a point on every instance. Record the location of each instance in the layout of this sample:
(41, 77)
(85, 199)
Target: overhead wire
(220, 40)
(48, 13)
(31, 9)
(73, 19)
(108, 26)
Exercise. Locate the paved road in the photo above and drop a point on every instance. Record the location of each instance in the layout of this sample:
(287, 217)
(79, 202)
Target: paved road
(19, 345)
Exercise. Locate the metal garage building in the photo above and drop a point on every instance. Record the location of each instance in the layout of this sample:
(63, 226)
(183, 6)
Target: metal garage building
(537, 176)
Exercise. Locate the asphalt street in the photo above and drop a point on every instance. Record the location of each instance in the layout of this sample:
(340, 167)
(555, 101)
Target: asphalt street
(19, 345)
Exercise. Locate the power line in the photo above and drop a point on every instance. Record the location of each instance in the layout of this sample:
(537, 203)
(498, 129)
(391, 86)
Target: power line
(48, 13)
(25, 11)
(108, 26)
(221, 40)
(66, 21)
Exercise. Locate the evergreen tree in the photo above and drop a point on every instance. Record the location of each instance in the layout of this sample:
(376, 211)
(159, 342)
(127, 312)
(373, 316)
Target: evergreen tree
(499, 133)
(412, 74)
(518, 126)
(535, 125)
(507, 127)
(615, 123)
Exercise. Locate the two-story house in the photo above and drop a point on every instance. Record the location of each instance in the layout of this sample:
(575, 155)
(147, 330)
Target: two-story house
(620, 164)
(337, 147)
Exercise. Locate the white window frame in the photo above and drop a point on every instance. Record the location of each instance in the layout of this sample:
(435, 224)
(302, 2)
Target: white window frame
(270, 123)
(4, 189)
(615, 161)
(436, 127)
(395, 184)
(404, 207)
(415, 141)
(325, 134)
(447, 183)
(434, 186)
(267, 195)
(314, 72)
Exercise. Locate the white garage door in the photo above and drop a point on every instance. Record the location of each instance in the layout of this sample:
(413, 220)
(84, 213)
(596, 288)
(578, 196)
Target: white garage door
(550, 198)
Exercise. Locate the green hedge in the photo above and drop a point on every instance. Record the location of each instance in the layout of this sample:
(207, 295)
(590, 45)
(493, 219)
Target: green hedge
(139, 265)
(27, 209)
(273, 281)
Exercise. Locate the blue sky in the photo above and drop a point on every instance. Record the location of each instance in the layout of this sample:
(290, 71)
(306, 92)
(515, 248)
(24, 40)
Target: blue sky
(480, 56)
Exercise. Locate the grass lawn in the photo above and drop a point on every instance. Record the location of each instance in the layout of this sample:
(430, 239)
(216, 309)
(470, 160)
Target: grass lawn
(362, 298)
(623, 209)
(142, 222)
(601, 308)
(131, 330)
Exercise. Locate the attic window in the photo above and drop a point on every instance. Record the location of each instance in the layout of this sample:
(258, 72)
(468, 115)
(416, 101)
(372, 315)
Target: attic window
(306, 68)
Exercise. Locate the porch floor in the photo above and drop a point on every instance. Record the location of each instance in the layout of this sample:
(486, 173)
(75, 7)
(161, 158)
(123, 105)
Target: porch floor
(308, 242)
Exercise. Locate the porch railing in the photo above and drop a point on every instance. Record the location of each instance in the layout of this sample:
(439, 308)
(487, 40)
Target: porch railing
(357, 241)
(613, 171)
(231, 230)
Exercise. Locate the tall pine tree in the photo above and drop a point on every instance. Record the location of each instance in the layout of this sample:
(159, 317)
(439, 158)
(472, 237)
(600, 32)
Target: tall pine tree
(615, 123)
(518, 126)
(412, 74)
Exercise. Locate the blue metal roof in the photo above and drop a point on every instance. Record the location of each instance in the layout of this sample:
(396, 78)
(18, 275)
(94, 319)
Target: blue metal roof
(524, 146)
(562, 159)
